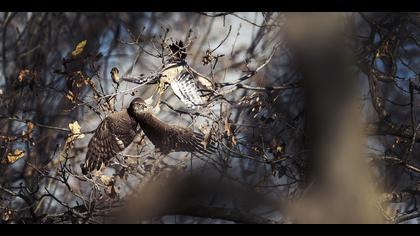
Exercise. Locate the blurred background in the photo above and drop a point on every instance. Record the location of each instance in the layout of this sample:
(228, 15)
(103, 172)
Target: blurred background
(314, 114)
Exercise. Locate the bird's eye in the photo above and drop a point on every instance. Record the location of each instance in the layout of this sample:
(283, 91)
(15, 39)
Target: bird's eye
(139, 107)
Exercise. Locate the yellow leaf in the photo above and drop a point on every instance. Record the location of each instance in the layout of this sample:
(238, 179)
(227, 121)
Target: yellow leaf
(74, 127)
(79, 48)
(13, 157)
(115, 75)
(75, 130)
(30, 126)
(233, 140)
(7, 214)
(227, 128)
(29, 129)
(70, 96)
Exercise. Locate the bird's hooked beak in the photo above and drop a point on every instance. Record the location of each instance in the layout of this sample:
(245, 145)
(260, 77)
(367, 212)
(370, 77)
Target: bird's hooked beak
(153, 104)
(149, 102)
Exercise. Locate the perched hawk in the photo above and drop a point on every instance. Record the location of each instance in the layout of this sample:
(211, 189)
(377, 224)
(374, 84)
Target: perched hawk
(188, 85)
(118, 130)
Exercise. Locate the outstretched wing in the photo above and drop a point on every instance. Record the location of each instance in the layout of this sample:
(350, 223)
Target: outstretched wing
(182, 139)
(186, 89)
(142, 79)
(113, 135)
(172, 138)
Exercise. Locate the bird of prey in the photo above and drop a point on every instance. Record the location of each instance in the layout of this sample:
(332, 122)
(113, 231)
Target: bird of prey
(187, 84)
(119, 129)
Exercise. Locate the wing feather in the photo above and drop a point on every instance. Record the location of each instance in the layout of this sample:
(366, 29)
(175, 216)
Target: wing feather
(112, 136)
(172, 138)
(186, 89)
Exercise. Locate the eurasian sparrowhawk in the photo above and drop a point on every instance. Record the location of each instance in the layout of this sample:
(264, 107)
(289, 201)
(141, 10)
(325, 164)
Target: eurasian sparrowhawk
(119, 129)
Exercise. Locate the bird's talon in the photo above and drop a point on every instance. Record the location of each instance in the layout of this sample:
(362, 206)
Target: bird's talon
(161, 88)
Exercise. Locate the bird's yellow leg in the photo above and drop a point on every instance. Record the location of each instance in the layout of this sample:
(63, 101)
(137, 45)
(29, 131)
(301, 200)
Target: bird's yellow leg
(161, 87)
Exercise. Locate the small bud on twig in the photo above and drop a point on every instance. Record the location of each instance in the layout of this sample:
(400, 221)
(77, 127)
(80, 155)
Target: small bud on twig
(115, 75)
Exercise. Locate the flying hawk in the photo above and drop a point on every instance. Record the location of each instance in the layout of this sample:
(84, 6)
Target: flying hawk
(118, 130)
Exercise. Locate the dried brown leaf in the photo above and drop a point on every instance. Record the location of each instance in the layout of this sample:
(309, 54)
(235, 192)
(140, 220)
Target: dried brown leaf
(22, 74)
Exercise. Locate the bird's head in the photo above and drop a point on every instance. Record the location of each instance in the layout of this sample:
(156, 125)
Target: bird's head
(138, 107)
